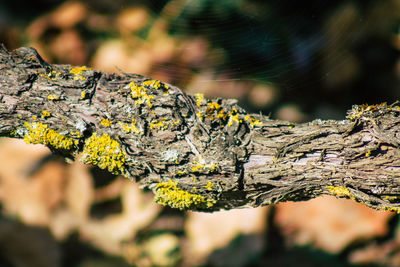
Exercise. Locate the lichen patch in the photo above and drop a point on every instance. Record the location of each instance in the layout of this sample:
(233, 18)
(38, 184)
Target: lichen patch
(39, 133)
(77, 72)
(105, 153)
(169, 194)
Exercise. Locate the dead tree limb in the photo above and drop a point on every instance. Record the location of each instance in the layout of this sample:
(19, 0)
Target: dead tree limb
(196, 153)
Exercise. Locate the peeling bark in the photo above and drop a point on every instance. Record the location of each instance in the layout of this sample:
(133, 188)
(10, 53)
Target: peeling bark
(196, 153)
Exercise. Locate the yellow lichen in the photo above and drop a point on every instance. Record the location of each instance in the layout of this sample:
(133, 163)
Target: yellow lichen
(394, 209)
(199, 99)
(204, 168)
(198, 167)
(390, 198)
(368, 153)
(76, 134)
(169, 194)
(199, 115)
(130, 128)
(53, 97)
(140, 93)
(51, 75)
(158, 124)
(221, 115)
(358, 110)
(104, 152)
(136, 91)
(215, 112)
(181, 173)
(234, 117)
(252, 121)
(340, 191)
(214, 105)
(163, 124)
(155, 84)
(34, 117)
(77, 71)
(211, 109)
(83, 95)
(45, 114)
(38, 133)
(209, 186)
(105, 123)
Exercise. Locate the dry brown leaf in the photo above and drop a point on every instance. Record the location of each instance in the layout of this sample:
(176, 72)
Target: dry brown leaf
(30, 198)
(128, 57)
(26, 246)
(162, 250)
(68, 47)
(132, 19)
(262, 95)
(290, 112)
(329, 223)
(207, 232)
(163, 48)
(79, 191)
(109, 234)
(194, 51)
(210, 85)
(63, 223)
(37, 28)
(377, 254)
(111, 191)
(68, 14)
(60, 197)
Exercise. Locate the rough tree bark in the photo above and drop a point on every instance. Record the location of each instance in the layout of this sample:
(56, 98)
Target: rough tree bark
(196, 153)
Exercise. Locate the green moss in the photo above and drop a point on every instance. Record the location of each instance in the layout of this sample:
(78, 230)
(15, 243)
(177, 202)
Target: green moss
(105, 153)
(169, 194)
(38, 133)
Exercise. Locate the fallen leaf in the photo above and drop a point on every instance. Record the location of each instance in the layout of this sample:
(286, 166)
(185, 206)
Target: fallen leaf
(328, 223)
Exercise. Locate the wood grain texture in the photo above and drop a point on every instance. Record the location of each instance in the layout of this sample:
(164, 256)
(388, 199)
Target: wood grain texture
(211, 153)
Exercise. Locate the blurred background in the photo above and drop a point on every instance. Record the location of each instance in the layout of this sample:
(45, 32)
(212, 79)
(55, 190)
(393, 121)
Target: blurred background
(296, 61)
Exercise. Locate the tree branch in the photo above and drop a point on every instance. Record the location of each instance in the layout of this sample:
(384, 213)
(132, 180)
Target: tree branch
(196, 153)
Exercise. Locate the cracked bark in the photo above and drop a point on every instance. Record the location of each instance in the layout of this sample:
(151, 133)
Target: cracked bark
(211, 148)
